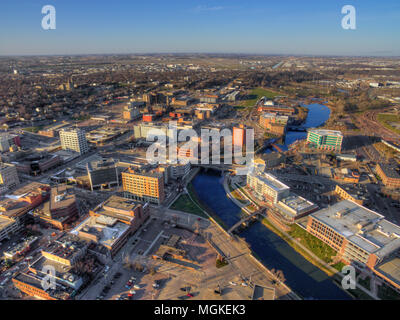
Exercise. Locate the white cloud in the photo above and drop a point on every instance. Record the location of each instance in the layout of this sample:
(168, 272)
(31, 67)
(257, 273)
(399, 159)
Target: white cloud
(207, 9)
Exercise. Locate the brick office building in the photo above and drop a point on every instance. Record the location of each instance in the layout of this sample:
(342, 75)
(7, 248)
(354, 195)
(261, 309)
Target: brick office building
(360, 236)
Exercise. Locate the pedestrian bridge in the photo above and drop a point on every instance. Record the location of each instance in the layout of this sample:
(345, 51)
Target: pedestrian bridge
(244, 220)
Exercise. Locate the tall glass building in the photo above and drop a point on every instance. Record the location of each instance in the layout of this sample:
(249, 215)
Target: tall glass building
(329, 140)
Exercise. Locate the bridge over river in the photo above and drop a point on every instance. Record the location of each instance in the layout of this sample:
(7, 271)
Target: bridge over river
(244, 220)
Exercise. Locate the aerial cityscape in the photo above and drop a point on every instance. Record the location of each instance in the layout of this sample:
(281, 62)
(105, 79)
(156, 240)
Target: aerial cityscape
(177, 173)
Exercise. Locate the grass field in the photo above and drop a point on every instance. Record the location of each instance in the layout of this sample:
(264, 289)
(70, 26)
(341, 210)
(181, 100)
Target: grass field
(34, 129)
(185, 204)
(387, 119)
(258, 93)
(316, 246)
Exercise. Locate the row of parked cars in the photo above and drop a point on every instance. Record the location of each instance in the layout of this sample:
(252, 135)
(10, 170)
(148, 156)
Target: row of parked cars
(107, 288)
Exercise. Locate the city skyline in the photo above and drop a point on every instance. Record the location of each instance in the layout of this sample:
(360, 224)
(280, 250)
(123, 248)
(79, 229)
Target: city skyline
(287, 28)
(189, 151)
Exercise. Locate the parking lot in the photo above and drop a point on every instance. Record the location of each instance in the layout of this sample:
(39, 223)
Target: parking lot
(135, 275)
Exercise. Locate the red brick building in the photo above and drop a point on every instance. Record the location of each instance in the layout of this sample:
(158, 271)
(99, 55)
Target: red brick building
(360, 236)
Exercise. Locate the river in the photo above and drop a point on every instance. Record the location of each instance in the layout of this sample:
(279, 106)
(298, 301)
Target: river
(318, 114)
(302, 276)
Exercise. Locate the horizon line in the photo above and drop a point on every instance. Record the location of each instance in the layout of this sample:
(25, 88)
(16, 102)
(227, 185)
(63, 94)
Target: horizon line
(203, 53)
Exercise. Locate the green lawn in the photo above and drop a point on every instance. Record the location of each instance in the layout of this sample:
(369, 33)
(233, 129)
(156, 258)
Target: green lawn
(315, 245)
(387, 119)
(339, 266)
(185, 204)
(259, 93)
(34, 129)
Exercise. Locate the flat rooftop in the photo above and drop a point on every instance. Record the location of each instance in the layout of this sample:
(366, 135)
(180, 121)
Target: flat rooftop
(120, 203)
(145, 172)
(82, 164)
(66, 246)
(359, 193)
(390, 170)
(118, 207)
(101, 164)
(271, 181)
(5, 222)
(391, 269)
(361, 226)
(325, 132)
(107, 230)
(61, 197)
(33, 186)
(61, 292)
(296, 203)
(263, 293)
(274, 116)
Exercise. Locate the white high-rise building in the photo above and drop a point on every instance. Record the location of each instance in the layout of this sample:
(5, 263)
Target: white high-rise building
(75, 140)
(8, 175)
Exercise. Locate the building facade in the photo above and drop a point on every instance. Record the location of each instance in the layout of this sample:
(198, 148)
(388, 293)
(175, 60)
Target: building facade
(102, 173)
(360, 236)
(8, 175)
(275, 124)
(327, 140)
(143, 185)
(389, 173)
(266, 187)
(74, 140)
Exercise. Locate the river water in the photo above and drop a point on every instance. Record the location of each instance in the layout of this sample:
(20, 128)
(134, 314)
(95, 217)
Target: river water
(302, 276)
(318, 114)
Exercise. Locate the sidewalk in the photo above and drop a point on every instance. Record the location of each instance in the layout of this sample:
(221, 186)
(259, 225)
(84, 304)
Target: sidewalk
(329, 269)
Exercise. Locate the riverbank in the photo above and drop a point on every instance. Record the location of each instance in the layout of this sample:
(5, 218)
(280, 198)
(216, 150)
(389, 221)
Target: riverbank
(222, 226)
(335, 274)
(303, 277)
(285, 236)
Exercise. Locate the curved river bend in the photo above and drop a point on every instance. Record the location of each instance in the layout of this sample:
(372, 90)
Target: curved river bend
(318, 114)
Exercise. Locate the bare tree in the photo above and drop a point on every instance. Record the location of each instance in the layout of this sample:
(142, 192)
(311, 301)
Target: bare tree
(281, 277)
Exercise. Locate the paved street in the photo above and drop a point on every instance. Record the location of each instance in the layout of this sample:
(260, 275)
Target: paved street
(242, 267)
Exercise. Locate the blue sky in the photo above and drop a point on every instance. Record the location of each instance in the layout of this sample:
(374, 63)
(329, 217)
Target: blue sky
(311, 27)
